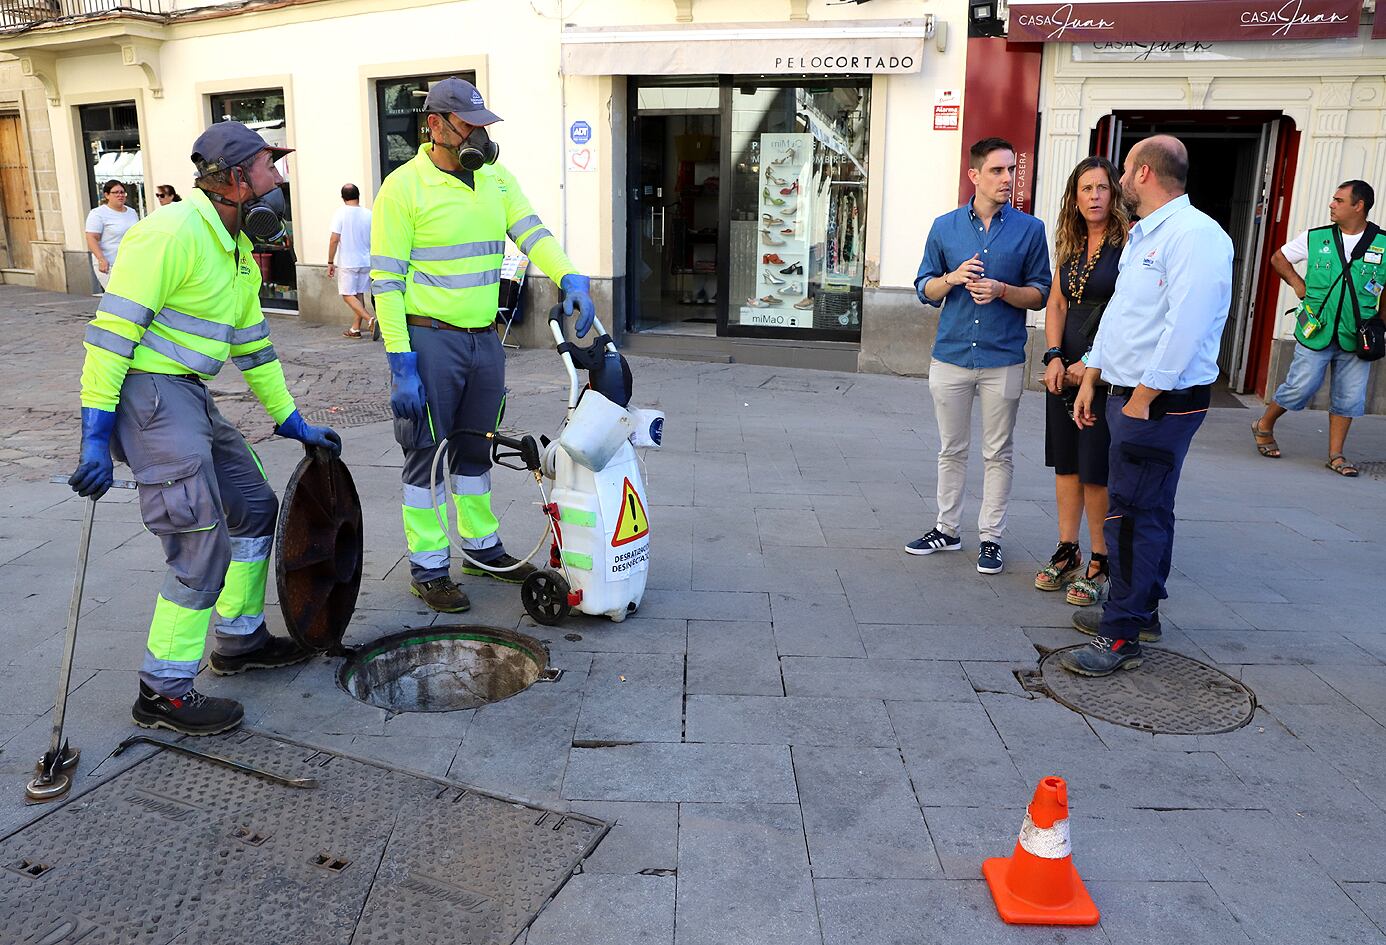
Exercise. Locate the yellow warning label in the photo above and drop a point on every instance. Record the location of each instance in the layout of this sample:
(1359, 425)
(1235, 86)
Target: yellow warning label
(632, 523)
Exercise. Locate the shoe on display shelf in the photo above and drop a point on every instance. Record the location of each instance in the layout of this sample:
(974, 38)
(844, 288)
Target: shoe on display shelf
(769, 239)
(804, 304)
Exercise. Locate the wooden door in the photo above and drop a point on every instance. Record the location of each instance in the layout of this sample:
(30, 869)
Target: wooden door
(16, 197)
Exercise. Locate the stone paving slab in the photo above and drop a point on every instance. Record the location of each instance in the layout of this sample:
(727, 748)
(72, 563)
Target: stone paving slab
(803, 699)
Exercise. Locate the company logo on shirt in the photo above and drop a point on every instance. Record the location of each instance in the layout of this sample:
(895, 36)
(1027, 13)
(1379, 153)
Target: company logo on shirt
(1149, 261)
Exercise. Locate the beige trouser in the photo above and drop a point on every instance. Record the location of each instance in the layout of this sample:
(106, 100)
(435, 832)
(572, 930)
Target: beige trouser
(953, 388)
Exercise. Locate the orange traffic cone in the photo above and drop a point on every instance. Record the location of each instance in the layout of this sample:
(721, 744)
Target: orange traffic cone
(1038, 884)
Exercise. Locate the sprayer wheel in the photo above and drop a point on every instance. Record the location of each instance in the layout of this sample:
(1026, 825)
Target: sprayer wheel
(545, 596)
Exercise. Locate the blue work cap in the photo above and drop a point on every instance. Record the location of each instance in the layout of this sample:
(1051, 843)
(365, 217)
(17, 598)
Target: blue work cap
(462, 99)
(228, 144)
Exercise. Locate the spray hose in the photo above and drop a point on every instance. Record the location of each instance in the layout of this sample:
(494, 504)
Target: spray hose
(445, 525)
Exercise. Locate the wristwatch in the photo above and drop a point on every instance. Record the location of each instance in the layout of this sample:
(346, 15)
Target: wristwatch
(1051, 354)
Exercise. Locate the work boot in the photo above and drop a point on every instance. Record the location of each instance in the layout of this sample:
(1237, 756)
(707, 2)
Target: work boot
(1102, 657)
(1089, 622)
(516, 576)
(192, 713)
(277, 652)
(442, 594)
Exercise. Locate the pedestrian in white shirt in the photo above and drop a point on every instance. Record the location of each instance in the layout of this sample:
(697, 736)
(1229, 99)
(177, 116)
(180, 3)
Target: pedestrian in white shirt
(349, 259)
(106, 227)
(1157, 350)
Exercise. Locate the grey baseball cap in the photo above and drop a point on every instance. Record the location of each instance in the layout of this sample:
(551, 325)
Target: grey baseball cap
(462, 99)
(228, 144)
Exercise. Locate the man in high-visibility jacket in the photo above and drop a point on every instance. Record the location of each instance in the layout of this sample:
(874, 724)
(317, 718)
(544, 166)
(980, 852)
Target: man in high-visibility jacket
(438, 235)
(184, 299)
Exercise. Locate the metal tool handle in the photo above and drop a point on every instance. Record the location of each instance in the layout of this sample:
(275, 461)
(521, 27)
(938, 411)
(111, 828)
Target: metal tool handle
(115, 483)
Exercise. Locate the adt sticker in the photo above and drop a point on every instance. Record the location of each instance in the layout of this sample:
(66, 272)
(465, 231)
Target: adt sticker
(580, 132)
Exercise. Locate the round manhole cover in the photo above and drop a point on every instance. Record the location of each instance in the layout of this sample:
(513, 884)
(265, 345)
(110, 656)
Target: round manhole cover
(1167, 694)
(439, 669)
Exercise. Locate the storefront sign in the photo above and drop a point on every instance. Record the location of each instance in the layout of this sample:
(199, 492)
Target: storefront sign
(1195, 51)
(1003, 101)
(947, 109)
(1046, 21)
(1379, 24)
(846, 47)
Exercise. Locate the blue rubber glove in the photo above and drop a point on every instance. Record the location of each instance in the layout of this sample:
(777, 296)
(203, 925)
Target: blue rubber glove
(95, 472)
(296, 428)
(406, 389)
(577, 293)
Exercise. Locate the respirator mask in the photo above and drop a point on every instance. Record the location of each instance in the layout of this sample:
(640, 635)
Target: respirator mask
(261, 218)
(476, 149)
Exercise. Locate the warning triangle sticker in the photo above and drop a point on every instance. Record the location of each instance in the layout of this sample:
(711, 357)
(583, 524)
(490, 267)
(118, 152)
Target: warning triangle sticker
(631, 523)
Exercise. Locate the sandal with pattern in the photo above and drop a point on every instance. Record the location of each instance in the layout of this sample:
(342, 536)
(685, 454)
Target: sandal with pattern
(1067, 561)
(1092, 589)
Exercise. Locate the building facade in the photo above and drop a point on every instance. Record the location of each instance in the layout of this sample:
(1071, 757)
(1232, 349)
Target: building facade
(743, 179)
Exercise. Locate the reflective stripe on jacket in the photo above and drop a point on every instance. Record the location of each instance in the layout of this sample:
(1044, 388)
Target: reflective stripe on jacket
(180, 301)
(437, 245)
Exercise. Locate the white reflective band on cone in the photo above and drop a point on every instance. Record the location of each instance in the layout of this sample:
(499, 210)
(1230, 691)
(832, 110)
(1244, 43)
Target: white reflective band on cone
(1046, 843)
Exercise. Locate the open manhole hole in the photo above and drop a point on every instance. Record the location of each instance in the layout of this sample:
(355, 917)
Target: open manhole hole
(1167, 694)
(440, 669)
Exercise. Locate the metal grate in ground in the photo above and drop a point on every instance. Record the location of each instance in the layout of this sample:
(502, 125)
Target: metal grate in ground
(178, 849)
(1167, 694)
(352, 415)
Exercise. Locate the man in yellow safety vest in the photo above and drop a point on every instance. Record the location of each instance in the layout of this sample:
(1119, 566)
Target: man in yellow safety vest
(438, 234)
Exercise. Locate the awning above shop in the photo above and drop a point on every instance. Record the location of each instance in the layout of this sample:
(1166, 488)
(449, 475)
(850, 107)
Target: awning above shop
(1100, 21)
(838, 47)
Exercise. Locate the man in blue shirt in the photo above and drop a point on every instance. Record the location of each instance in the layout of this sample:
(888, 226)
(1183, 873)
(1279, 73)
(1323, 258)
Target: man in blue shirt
(986, 262)
(1157, 349)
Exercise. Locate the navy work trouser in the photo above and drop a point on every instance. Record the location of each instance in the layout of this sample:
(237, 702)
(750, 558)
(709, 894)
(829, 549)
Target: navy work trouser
(1145, 460)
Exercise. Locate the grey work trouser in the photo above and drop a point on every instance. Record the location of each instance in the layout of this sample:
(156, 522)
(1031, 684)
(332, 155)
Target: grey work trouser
(203, 493)
(463, 376)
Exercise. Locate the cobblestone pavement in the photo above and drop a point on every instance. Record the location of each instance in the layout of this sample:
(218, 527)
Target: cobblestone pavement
(805, 736)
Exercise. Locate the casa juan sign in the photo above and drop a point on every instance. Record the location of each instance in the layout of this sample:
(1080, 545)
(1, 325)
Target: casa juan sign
(1094, 21)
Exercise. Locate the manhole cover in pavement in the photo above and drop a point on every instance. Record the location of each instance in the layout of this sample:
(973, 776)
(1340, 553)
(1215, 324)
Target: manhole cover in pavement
(1167, 694)
(351, 415)
(179, 849)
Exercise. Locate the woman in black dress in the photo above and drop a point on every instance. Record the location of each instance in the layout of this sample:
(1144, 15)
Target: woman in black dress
(1088, 241)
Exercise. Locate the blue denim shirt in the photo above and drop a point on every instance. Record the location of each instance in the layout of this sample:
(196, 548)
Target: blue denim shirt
(1014, 251)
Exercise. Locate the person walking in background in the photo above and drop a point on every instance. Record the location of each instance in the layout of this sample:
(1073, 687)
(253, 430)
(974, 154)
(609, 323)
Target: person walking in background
(1089, 237)
(166, 195)
(1157, 349)
(106, 227)
(1340, 288)
(349, 259)
(986, 262)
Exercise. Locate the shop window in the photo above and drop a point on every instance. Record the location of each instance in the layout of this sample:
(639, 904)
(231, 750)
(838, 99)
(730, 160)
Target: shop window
(263, 111)
(798, 226)
(400, 116)
(111, 146)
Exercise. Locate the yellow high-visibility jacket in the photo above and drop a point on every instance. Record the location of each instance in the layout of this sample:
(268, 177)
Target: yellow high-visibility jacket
(183, 298)
(437, 245)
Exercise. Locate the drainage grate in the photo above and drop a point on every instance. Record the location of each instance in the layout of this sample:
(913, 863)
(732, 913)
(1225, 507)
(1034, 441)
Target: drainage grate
(352, 415)
(373, 855)
(1168, 694)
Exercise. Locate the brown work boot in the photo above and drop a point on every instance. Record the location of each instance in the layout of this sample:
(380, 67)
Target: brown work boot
(276, 652)
(442, 594)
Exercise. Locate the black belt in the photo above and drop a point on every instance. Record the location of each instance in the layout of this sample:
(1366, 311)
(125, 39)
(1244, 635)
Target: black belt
(419, 321)
(191, 377)
(1196, 397)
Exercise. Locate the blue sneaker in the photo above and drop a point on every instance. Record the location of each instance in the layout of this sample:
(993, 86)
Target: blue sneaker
(989, 558)
(935, 540)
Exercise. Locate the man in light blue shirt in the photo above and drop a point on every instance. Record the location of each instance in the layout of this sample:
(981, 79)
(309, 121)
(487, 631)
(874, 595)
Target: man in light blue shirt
(1157, 349)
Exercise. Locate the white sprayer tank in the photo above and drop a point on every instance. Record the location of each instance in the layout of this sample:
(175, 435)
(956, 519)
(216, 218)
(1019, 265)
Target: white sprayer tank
(605, 522)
